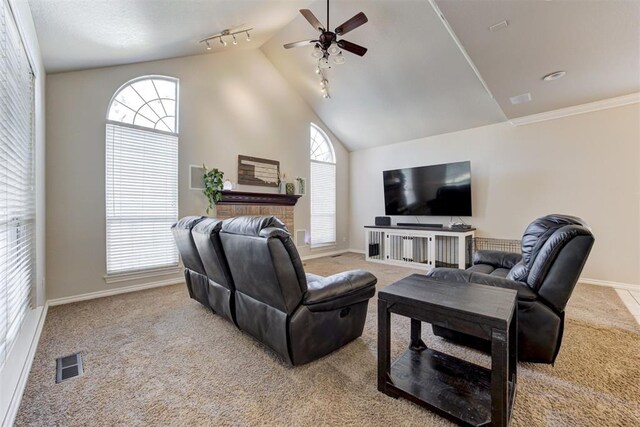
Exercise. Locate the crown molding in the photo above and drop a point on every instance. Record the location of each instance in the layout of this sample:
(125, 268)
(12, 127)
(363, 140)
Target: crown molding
(604, 104)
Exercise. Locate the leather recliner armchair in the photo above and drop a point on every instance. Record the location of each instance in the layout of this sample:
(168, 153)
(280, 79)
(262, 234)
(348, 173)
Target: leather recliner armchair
(302, 317)
(554, 251)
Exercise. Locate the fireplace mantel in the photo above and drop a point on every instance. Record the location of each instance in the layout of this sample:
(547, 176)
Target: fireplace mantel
(246, 198)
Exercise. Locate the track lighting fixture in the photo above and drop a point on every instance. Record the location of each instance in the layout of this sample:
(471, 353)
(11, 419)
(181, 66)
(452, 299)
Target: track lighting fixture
(226, 33)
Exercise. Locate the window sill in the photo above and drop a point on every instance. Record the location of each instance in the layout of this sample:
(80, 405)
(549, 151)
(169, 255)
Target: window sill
(141, 274)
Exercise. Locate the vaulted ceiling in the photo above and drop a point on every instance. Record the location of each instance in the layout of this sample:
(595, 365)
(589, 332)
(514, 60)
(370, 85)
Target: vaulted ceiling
(413, 81)
(80, 34)
(418, 77)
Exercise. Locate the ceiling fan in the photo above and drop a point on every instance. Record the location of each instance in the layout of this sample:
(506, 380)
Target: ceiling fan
(327, 43)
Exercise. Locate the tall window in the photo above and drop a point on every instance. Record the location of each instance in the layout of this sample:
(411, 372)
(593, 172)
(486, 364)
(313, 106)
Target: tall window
(322, 189)
(142, 175)
(17, 188)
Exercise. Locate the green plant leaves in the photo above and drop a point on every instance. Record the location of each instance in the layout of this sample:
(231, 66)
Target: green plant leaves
(213, 181)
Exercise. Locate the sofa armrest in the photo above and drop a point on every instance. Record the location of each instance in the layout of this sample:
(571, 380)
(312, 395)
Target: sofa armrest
(496, 259)
(339, 290)
(525, 293)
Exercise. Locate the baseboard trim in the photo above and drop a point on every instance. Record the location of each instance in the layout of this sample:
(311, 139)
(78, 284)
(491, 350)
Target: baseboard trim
(609, 284)
(357, 251)
(604, 104)
(12, 411)
(324, 254)
(111, 292)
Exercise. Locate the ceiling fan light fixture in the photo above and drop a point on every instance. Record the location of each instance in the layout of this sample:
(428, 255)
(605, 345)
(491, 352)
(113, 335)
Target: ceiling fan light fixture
(317, 52)
(339, 58)
(323, 63)
(334, 49)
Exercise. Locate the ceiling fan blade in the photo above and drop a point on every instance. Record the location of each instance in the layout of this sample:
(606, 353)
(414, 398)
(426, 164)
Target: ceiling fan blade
(352, 24)
(309, 16)
(299, 44)
(352, 47)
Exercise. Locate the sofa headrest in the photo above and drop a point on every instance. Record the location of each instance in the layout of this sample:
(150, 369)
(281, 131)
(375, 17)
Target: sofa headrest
(188, 222)
(208, 226)
(257, 226)
(539, 231)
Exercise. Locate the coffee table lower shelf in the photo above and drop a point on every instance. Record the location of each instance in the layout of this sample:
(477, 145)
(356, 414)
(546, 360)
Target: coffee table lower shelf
(451, 387)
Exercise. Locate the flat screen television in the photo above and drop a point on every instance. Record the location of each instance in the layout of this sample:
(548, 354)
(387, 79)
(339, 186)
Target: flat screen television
(437, 190)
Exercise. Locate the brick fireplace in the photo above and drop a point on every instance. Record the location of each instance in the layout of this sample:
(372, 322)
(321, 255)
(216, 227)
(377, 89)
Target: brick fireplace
(236, 203)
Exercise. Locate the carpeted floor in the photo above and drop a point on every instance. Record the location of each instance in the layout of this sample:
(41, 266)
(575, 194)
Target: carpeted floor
(158, 358)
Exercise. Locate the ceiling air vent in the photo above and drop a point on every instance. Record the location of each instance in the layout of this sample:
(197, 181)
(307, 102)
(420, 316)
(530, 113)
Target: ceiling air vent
(499, 26)
(520, 99)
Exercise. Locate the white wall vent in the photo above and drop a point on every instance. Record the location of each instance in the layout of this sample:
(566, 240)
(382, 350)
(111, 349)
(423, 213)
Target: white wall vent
(196, 177)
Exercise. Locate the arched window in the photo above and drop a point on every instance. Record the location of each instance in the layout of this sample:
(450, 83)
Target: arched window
(142, 175)
(322, 189)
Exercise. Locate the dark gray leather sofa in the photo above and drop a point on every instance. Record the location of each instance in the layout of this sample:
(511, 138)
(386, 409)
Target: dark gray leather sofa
(248, 270)
(554, 251)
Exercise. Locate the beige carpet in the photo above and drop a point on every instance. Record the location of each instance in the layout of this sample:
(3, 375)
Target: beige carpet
(158, 358)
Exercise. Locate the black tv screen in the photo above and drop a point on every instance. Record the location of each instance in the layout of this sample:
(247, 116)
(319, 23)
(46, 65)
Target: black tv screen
(438, 190)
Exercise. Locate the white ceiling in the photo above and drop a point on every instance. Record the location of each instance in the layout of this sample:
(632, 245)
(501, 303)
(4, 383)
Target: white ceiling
(596, 42)
(413, 82)
(78, 34)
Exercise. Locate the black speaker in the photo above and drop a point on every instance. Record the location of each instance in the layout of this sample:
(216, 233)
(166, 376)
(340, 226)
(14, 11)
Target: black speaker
(383, 220)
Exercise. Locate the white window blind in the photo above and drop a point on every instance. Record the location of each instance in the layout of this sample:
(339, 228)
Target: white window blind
(141, 198)
(17, 192)
(322, 189)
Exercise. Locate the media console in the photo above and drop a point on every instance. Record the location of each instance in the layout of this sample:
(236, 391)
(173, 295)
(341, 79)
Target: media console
(419, 246)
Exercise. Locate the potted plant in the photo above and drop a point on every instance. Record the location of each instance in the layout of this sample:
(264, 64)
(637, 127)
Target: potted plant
(213, 182)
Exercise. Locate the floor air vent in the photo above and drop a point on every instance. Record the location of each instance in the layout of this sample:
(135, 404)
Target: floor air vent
(68, 367)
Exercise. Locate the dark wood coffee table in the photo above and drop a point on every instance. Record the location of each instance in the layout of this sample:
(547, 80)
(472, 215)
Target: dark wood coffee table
(458, 390)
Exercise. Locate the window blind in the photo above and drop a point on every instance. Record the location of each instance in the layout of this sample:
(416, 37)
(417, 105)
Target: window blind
(141, 198)
(17, 191)
(323, 204)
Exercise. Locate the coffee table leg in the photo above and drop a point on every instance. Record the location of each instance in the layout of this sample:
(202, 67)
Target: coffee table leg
(416, 336)
(384, 345)
(499, 377)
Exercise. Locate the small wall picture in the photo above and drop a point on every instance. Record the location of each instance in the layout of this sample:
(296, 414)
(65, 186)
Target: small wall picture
(256, 171)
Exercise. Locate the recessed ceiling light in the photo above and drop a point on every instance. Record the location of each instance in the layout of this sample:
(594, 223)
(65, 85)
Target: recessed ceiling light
(554, 76)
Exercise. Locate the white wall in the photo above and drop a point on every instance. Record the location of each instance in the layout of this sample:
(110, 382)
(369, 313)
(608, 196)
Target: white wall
(586, 165)
(231, 103)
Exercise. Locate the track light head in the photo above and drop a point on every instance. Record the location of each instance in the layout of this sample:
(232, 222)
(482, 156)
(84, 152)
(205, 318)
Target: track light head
(248, 36)
(208, 44)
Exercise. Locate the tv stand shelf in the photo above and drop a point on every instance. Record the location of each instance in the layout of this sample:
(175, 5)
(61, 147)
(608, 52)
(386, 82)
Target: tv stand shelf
(419, 247)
